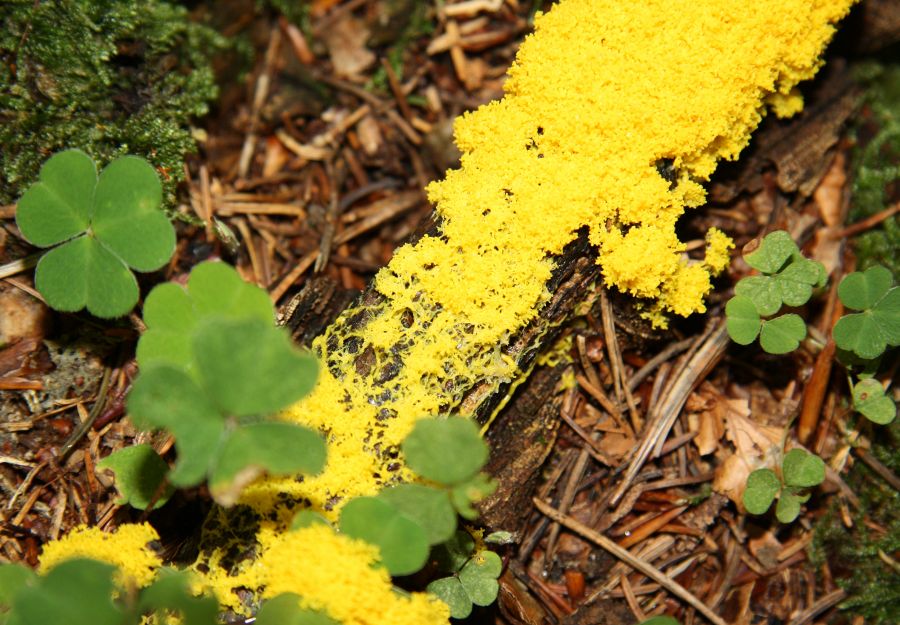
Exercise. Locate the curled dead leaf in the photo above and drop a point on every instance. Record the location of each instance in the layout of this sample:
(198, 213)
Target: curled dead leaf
(756, 446)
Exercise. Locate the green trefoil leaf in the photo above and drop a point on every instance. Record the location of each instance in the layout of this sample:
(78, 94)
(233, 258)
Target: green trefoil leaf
(103, 227)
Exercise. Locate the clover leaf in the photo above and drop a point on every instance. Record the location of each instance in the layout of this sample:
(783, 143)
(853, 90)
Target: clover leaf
(500, 537)
(770, 254)
(13, 577)
(401, 541)
(762, 487)
(307, 517)
(802, 469)
(742, 319)
(479, 577)
(782, 334)
(762, 292)
(788, 507)
(447, 451)
(245, 369)
(476, 583)
(870, 332)
(792, 286)
(471, 491)
(250, 450)
(139, 472)
(101, 227)
(249, 367)
(870, 400)
(429, 507)
(76, 592)
(788, 278)
(863, 289)
(450, 590)
(285, 609)
(172, 312)
(454, 553)
(164, 397)
(796, 281)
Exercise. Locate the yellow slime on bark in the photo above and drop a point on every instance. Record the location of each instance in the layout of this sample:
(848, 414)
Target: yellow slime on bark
(601, 95)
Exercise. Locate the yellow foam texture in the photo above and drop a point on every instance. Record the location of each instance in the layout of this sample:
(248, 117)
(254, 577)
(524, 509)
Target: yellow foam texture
(335, 574)
(599, 96)
(127, 548)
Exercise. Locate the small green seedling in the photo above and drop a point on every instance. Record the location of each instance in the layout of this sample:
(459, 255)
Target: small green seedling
(787, 278)
(800, 470)
(85, 592)
(213, 367)
(404, 521)
(473, 579)
(869, 332)
(99, 229)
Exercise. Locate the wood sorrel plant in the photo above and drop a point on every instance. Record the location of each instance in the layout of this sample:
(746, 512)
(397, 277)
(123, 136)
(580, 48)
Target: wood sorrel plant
(99, 229)
(213, 369)
(800, 471)
(866, 335)
(787, 278)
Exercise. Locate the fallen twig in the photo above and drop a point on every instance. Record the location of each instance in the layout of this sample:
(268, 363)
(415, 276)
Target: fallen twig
(636, 563)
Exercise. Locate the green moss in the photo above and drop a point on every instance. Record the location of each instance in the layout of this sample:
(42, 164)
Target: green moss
(873, 587)
(107, 76)
(876, 166)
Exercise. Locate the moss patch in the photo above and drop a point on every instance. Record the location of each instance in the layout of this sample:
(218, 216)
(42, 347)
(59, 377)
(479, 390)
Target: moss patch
(108, 77)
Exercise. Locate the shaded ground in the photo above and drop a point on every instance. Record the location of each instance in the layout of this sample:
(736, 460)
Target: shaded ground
(310, 174)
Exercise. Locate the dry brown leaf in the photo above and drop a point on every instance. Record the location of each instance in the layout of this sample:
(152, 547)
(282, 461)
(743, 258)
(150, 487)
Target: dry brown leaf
(617, 445)
(321, 7)
(706, 416)
(830, 192)
(275, 157)
(710, 427)
(765, 548)
(475, 72)
(731, 478)
(750, 438)
(827, 248)
(369, 135)
(345, 39)
(21, 315)
(756, 446)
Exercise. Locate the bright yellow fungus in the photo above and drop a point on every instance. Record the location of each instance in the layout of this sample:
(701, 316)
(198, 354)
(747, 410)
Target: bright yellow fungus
(718, 246)
(614, 114)
(127, 548)
(337, 575)
(601, 99)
